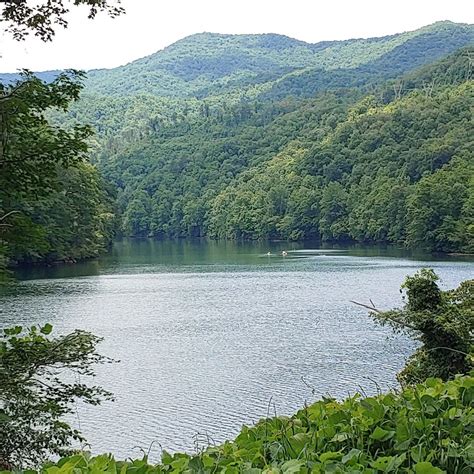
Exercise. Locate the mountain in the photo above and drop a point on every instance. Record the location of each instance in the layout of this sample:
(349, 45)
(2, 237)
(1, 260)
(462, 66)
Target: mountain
(47, 76)
(210, 73)
(264, 136)
(203, 64)
(210, 64)
(393, 166)
(213, 72)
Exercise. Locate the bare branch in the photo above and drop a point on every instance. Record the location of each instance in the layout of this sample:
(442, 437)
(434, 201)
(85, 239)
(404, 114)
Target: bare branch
(8, 214)
(372, 308)
(386, 314)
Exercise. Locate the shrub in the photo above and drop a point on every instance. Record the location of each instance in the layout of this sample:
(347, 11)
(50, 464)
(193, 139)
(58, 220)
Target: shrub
(34, 396)
(443, 321)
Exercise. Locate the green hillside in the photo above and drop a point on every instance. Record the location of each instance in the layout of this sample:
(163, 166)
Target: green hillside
(264, 136)
(391, 173)
(338, 167)
(213, 72)
(208, 63)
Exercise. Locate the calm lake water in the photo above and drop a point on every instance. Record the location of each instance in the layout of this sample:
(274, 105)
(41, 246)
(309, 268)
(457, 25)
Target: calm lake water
(211, 336)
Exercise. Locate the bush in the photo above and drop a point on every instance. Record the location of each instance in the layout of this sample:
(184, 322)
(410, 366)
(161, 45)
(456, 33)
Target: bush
(34, 396)
(443, 321)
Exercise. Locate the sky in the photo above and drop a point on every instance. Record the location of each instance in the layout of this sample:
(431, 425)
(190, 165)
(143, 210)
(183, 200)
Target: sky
(151, 25)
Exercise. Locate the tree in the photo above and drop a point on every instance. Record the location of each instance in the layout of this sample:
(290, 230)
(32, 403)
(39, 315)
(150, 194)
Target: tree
(443, 321)
(73, 222)
(438, 211)
(333, 223)
(35, 189)
(31, 147)
(35, 394)
(26, 16)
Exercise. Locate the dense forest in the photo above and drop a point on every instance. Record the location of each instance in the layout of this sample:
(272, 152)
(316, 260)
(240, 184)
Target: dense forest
(387, 161)
(246, 136)
(396, 172)
(54, 205)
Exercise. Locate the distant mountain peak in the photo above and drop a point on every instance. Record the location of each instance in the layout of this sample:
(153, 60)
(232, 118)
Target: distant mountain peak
(207, 63)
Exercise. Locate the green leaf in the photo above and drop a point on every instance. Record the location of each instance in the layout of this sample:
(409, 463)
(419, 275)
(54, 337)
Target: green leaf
(195, 464)
(340, 437)
(380, 434)
(382, 463)
(396, 462)
(352, 455)
(374, 409)
(166, 458)
(180, 463)
(46, 329)
(427, 468)
(292, 467)
(207, 461)
(299, 441)
(330, 455)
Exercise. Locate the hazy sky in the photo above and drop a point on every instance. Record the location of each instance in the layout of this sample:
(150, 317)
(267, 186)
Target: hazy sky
(150, 25)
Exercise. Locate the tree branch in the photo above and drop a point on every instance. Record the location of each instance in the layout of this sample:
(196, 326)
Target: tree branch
(386, 314)
(372, 308)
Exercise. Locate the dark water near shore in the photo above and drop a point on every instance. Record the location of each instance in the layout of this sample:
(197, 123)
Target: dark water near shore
(213, 335)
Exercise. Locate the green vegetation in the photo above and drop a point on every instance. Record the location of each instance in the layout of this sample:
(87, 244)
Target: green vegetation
(24, 17)
(443, 321)
(74, 221)
(209, 65)
(394, 166)
(426, 429)
(34, 393)
(208, 74)
(54, 204)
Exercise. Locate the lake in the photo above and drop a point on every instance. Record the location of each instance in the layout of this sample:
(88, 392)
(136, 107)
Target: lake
(213, 335)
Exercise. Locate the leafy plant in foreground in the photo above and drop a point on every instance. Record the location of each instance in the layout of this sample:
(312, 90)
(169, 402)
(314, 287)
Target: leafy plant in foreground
(35, 395)
(425, 429)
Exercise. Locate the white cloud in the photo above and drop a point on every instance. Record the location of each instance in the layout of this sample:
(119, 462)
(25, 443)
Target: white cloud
(150, 25)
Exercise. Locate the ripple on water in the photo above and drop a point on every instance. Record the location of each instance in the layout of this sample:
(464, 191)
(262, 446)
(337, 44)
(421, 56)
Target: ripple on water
(205, 348)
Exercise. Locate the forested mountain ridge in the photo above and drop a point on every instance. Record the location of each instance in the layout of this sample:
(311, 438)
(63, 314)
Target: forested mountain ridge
(201, 64)
(394, 166)
(211, 74)
(263, 136)
(400, 172)
(207, 64)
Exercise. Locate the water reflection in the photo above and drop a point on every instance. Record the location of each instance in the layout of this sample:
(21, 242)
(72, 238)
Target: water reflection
(176, 255)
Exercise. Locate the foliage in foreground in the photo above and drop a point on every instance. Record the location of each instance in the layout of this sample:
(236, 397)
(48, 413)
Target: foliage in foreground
(425, 429)
(35, 396)
(443, 321)
(53, 203)
(24, 17)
